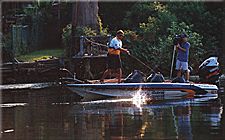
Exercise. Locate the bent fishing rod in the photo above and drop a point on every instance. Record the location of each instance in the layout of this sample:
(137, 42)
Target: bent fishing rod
(128, 54)
(142, 63)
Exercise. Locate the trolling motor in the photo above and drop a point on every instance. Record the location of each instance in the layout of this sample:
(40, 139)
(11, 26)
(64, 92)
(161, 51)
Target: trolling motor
(209, 71)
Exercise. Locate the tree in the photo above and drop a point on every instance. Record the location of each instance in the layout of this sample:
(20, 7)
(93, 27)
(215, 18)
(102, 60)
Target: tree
(85, 14)
(154, 38)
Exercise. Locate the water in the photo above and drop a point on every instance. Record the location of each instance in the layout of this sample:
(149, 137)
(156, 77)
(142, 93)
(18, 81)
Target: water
(56, 114)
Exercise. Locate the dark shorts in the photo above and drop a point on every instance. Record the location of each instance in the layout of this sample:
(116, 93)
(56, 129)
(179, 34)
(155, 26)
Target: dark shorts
(114, 61)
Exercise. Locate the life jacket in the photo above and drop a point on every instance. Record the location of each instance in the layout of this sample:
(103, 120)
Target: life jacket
(114, 51)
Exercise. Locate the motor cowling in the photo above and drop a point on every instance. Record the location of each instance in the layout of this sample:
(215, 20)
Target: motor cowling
(209, 71)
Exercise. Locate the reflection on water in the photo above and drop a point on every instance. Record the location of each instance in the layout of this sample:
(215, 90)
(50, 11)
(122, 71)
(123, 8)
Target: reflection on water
(139, 99)
(55, 114)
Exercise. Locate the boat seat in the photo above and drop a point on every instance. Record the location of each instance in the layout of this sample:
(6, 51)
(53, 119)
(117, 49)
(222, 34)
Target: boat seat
(157, 78)
(178, 80)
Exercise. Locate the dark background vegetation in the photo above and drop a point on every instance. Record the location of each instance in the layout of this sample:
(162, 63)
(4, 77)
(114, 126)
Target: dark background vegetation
(149, 28)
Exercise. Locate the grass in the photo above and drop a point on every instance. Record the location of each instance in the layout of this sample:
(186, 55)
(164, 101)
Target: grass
(40, 55)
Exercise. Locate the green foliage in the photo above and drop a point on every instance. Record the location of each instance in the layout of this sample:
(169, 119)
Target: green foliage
(79, 31)
(139, 13)
(85, 31)
(195, 39)
(131, 36)
(158, 24)
(66, 35)
(102, 31)
(149, 29)
(206, 17)
(154, 39)
(165, 20)
(82, 31)
(152, 26)
(46, 20)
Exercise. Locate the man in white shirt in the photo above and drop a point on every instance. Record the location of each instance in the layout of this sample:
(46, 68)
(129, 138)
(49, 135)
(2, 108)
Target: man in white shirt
(114, 61)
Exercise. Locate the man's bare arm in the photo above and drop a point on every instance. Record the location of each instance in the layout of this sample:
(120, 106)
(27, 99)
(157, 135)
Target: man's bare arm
(178, 47)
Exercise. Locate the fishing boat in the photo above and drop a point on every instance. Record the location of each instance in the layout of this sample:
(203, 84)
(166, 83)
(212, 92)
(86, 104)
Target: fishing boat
(154, 91)
(160, 89)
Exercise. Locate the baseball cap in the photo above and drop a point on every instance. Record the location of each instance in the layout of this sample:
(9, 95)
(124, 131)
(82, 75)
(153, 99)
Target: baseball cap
(183, 35)
(120, 32)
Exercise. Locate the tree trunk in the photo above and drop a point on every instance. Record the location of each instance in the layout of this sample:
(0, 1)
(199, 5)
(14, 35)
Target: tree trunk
(223, 46)
(85, 14)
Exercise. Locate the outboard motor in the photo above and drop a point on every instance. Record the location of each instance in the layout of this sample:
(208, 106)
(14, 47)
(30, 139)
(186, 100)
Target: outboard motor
(135, 77)
(209, 71)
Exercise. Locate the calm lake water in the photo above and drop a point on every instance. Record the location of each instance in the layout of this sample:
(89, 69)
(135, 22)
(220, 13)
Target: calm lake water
(56, 114)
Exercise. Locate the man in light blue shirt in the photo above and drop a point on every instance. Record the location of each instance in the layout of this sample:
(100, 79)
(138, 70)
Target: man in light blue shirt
(114, 61)
(182, 56)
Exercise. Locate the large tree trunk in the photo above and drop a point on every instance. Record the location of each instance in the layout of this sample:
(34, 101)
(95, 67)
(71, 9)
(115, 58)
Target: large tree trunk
(223, 46)
(85, 14)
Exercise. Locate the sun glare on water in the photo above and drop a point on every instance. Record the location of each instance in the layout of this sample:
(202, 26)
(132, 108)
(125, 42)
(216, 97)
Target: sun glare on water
(139, 98)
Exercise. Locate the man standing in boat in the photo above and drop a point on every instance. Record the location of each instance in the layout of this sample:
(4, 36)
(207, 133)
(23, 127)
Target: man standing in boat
(182, 56)
(114, 61)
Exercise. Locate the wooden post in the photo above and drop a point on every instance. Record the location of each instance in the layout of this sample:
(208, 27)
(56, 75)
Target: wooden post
(87, 66)
(81, 53)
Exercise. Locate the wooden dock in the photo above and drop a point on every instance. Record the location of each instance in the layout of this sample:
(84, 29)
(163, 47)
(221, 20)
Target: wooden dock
(24, 72)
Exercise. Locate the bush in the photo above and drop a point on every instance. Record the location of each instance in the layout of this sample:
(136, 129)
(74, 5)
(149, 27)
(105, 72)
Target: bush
(66, 35)
(155, 47)
(153, 43)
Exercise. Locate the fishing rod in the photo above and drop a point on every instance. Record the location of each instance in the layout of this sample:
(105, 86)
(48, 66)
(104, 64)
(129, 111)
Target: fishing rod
(172, 63)
(142, 63)
(128, 54)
